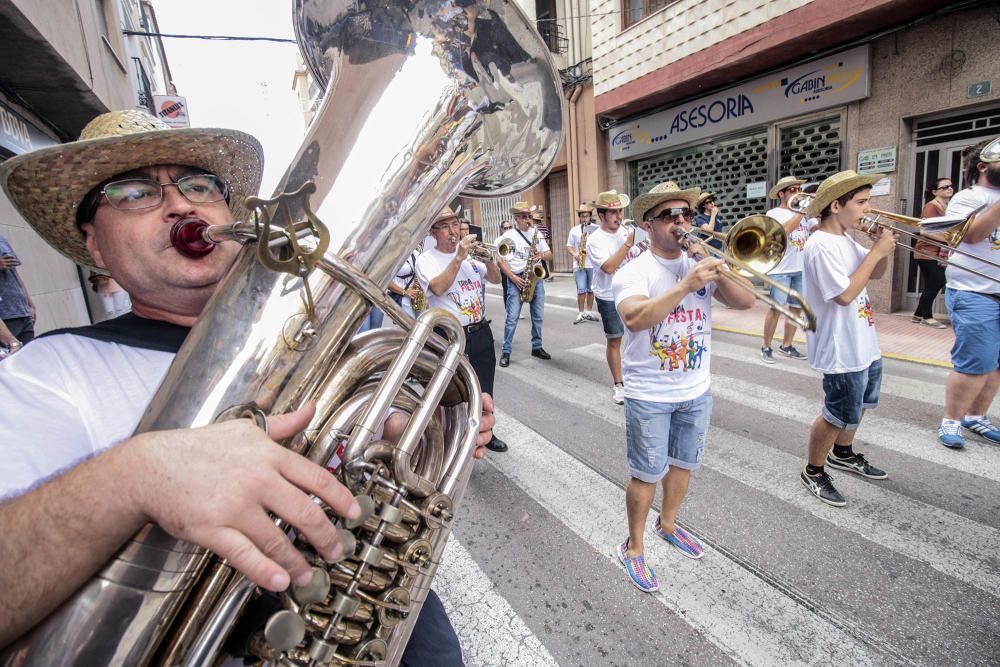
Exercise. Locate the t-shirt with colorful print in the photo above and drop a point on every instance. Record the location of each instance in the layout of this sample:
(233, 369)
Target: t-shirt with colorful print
(845, 340)
(667, 363)
(791, 261)
(464, 298)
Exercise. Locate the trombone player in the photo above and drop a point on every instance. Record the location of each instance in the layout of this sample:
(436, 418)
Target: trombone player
(974, 304)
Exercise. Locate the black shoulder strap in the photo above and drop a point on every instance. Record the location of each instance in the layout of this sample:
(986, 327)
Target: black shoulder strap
(133, 331)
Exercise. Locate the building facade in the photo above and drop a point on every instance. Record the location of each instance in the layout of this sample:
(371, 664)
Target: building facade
(731, 95)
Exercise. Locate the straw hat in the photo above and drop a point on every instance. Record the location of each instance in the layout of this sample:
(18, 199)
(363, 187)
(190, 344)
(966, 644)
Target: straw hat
(704, 197)
(521, 207)
(786, 182)
(446, 214)
(612, 200)
(839, 185)
(584, 208)
(663, 192)
(46, 186)
(537, 213)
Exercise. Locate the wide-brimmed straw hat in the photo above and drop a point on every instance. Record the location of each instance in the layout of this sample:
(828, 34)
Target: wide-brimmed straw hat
(447, 213)
(837, 186)
(584, 208)
(704, 197)
(537, 213)
(46, 186)
(660, 193)
(786, 182)
(612, 199)
(521, 207)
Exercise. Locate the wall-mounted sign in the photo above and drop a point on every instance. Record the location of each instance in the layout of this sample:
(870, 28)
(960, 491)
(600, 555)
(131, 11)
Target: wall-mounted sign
(18, 135)
(979, 89)
(881, 187)
(172, 110)
(877, 160)
(757, 190)
(821, 84)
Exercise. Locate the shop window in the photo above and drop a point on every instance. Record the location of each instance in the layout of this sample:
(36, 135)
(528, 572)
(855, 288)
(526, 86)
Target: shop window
(634, 11)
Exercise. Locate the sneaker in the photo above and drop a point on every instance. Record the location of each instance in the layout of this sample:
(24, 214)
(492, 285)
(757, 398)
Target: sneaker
(982, 427)
(580, 318)
(688, 544)
(791, 352)
(950, 434)
(935, 324)
(642, 575)
(767, 355)
(592, 316)
(857, 464)
(618, 394)
(822, 487)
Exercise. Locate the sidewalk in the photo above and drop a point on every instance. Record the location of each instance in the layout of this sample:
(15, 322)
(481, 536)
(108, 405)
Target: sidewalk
(897, 336)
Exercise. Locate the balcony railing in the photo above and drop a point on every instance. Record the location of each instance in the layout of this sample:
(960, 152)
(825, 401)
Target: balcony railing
(552, 35)
(144, 94)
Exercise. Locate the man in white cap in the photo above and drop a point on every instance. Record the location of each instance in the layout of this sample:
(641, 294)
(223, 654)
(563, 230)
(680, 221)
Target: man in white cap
(608, 248)
(583, 264)
(665, 300)
(788, 272)
(530, 249)
(844, 346)
(73, 399)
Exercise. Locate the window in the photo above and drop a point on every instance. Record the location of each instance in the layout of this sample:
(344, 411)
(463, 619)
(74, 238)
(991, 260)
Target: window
(634, 11)
(108, 26)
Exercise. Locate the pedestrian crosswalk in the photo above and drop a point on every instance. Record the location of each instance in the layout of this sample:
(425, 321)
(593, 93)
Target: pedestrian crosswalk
(752, 615)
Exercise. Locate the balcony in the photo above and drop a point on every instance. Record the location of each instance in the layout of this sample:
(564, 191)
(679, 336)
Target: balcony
(552, 35)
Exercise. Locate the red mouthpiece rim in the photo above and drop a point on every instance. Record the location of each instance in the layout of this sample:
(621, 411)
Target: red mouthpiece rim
(188, 237)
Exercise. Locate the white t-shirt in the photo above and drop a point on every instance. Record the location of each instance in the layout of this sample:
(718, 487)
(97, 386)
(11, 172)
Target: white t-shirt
(575, 234)
(791, 262)
(464, 298)
(404, 277)
(845, 340)
(668, 363)
(66, 398)
(518, 260)
(964, 203)
(600, 247)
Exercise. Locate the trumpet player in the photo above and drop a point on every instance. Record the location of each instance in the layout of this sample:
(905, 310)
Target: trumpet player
(665, 300)
(529, 249)
(974, 305)
(583, 264)
(73, 399)
(789, 271)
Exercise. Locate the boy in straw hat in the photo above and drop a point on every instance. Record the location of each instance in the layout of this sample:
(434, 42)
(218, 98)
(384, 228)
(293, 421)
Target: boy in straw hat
(608, 248)
(844, 346)
(664, 297)
(576, 244)
(73, 399)
(788, 272)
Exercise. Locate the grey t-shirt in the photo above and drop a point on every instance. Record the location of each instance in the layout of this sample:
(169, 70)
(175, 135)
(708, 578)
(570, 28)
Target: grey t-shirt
(13, 300)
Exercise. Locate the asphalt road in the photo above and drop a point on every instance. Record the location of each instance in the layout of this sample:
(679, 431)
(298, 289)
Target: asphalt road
(907, 573)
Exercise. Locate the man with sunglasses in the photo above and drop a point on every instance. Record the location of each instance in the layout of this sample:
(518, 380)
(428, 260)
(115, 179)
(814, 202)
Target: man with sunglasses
(664, 297)
(788, 272)
(529, 247)
(73, 398)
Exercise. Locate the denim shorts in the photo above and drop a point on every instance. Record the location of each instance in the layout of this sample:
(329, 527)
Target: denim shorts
(660, 435)
(612, 321)
(847, 394)
(584, 278)
(976, 321)
(793, 280)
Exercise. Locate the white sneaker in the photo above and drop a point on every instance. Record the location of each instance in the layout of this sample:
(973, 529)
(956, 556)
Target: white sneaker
(618, 394)
(580, 318)
(520, 315)
(592, 316)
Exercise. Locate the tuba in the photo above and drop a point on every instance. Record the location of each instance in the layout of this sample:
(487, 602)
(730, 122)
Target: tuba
(424, 100)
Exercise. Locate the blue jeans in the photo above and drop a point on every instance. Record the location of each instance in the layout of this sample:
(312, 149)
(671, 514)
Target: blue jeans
(584, 279)
(848, 395)
(514, 309)
(660, 435)
(793, 280)
(976, 321)
(373, 321)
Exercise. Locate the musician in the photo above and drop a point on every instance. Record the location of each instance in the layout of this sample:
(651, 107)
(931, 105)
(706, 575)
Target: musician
(454, 282)
(974, 305)
(584, 276)
(608, 249)
(538, 222)
(844, 347)
(708, 218)
(664, 297)
(788, 272)
(73, 399)
(529, 248)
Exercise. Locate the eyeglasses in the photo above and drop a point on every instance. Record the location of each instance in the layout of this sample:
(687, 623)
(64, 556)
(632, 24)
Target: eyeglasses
(136, 194)
(945, 187)
(792, 189)
(668, 214)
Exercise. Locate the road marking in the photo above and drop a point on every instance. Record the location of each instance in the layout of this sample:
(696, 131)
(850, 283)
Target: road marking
(750, 620)
(490, 631)
(949, 543)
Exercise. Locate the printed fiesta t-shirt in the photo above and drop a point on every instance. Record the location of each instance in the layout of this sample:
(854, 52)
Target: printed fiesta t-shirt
(464, 299)
(668, 363)
(845, 340)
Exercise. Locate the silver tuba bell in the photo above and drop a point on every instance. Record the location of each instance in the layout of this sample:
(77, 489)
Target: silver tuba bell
(425, 99)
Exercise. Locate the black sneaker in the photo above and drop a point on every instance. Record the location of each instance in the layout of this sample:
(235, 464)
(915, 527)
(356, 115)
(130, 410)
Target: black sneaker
(541, 353)
(857, 464)
(791, 352)
(822, 487)
(504, 360)
(767, 355)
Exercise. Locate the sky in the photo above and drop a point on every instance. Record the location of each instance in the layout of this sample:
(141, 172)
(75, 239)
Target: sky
(240, 85)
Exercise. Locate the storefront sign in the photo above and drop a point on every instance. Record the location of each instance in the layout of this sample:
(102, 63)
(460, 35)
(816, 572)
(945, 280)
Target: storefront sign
(172, 110)
(877, 160)
(821, 84)
(18, 135)
(757, 190)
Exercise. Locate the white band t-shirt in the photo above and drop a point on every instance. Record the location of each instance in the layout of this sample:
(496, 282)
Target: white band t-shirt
(600, 247)
(962, 204)
(575, 235)
(791, 261)
(518, 260)
(464, 298)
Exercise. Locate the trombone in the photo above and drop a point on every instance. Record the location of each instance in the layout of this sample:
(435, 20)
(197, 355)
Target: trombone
(753, 247)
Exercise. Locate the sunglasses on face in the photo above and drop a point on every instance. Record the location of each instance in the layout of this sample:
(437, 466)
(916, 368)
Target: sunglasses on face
(945, 187)
(669, 214)
(793, 189)
(135, 194)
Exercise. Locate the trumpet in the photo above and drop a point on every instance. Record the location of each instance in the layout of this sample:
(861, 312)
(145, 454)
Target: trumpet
(800, 202)
(753, 247)
(487, 252)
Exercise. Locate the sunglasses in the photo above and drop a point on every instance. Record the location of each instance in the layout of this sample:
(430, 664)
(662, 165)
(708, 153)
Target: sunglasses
(945, 187)
(668, 214)
(136, 194)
